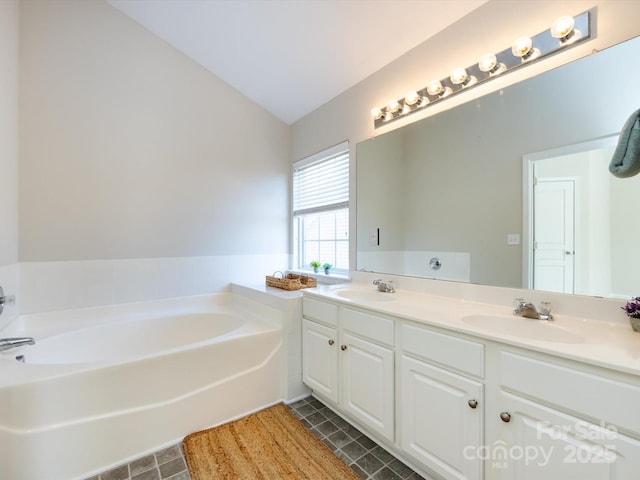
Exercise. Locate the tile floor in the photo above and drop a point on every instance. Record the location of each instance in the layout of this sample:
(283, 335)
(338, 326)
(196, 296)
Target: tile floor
(167, 464)
(363, 455)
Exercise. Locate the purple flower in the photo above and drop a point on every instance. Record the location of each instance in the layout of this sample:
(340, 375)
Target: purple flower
(632, 308)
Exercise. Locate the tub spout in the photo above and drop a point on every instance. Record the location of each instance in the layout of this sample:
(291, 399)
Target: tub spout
(7, 343)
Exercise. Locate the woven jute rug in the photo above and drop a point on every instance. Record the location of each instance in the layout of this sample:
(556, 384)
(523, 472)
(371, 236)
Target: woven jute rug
(268, 445)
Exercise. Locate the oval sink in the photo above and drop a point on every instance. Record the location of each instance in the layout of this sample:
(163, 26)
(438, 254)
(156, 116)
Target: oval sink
(366, 295)
(524, 327)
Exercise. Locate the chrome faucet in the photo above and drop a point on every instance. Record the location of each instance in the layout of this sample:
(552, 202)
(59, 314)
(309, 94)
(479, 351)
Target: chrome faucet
(8, 343)
(388, 287)
(528, 310)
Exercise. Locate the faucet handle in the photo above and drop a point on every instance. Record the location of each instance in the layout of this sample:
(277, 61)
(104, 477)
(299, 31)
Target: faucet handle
(544, 311)
(518, 303)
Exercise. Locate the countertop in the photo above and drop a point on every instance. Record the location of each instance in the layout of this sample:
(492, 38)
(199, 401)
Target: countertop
(601, 343)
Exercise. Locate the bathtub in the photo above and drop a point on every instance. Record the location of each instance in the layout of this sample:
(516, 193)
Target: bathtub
(105, 385)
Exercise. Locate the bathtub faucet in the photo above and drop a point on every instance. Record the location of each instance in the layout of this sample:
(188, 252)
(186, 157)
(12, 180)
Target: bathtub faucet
(7, 343)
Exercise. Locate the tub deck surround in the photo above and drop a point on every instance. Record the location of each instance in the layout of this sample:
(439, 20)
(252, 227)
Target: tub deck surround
(289, 305)
(609, 344)
(80, 410)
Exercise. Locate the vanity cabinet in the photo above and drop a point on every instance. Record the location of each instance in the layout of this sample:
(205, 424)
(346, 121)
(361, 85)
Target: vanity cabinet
(441, 411)
(367, 383)
(558, 422)
(537, 441)
(463, 407)
(367, 370)
(320, 359)
(348, 361)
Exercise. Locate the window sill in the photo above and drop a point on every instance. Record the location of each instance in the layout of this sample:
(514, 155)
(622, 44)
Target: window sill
(323, 278)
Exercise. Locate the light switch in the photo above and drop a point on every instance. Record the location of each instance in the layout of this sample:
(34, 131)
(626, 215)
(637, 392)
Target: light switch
(513, 239)
(373, 238)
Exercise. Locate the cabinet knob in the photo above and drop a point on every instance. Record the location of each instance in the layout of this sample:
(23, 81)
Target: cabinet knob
(331, 342)
(473, 403)
(505, 417)
(343, 347)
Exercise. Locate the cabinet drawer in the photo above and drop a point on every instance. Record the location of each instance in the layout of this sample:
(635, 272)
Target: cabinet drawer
(457, 353)
(321, 311)
(369, 326)
(596, 396)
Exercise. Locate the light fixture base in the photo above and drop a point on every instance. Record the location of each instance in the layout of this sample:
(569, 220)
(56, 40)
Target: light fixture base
(543, 44)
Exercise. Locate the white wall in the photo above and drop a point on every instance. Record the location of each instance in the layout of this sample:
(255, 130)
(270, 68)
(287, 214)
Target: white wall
(141, 174)
(625, 255)
(8, 132)
(8, 151)
(128, 149)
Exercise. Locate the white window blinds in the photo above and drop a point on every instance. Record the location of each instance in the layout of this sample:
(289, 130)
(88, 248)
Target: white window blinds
(322, 183)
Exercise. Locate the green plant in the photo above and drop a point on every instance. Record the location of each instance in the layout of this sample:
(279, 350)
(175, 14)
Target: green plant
(315, 264)
(327, 266)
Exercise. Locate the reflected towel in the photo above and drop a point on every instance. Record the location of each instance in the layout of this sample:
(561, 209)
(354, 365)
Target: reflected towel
(626, 157)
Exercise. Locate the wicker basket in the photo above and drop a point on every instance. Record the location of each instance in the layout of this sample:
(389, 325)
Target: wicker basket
(290, 281)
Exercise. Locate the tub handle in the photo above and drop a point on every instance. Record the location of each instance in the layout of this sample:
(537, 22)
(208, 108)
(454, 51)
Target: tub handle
(331, 342)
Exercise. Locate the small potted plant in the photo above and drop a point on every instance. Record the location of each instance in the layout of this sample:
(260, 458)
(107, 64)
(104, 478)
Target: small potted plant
(315, 265)
(632, 309)
(327, 267)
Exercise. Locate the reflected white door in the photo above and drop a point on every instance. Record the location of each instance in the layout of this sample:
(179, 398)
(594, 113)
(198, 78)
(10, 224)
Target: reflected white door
(554, 235)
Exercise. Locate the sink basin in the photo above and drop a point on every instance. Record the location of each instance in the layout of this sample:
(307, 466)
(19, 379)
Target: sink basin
(366, 295)
(524, 327)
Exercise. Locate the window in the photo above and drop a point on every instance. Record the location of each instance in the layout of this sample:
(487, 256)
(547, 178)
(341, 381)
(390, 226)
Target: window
(321, 209)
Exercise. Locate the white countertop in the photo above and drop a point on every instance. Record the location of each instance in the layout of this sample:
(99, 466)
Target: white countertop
(605, 344)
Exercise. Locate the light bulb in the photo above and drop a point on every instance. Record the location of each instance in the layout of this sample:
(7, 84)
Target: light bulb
(434, 88)
(489, 64)
(376, 113)
(521, 47)
(562, 28)
(459, 75)
(393, 106)
(411, 98)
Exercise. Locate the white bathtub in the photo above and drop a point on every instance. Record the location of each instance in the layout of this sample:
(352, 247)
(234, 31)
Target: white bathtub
(102, 386)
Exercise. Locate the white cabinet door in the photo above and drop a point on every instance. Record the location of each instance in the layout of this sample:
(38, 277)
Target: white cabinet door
(368, 383)
(441, 416)
(320, 359)
(540, 442)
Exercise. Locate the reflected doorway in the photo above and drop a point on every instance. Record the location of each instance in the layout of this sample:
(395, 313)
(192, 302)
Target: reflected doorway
(554, 232)
(573, 221)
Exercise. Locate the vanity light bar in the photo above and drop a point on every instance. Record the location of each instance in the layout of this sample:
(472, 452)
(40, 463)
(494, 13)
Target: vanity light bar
(564, 32)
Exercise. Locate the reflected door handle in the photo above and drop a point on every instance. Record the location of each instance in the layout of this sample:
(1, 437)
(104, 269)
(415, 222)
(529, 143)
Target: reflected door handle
(331, 342)
(343, 347)
(473, 403)
(505, 417)
(569, 253)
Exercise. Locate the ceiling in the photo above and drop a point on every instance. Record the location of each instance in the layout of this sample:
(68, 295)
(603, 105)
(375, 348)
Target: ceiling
(292, 56)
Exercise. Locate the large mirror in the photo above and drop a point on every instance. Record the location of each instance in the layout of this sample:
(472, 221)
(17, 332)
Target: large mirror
(511, 189)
